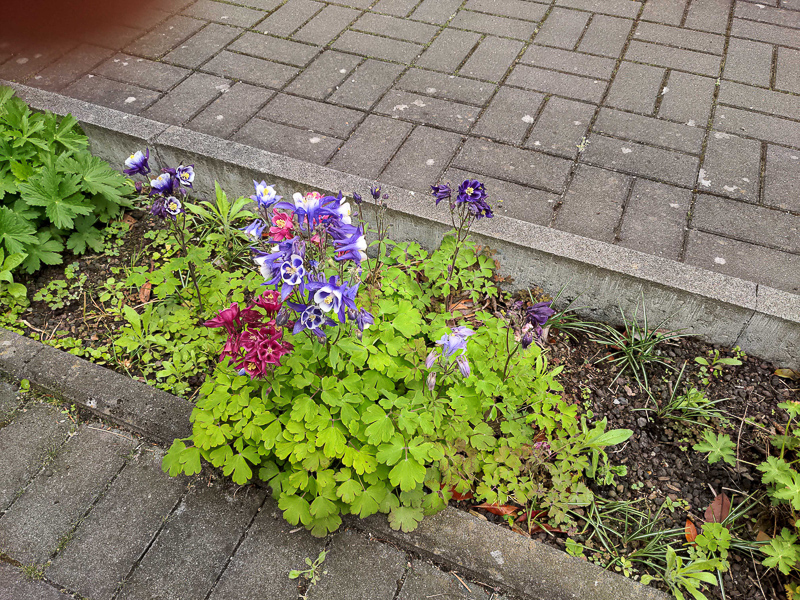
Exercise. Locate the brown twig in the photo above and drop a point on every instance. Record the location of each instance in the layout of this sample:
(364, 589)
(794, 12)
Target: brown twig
(462, 581)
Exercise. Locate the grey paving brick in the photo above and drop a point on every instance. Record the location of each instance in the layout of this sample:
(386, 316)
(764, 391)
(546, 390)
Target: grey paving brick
(26, 444)
(265, 5)
(323, 76)
(70, 67)
(361, 4)
(762, 127)
(227, 14)
(380, 567)
(493, 25)
(619, 8)
(562, 84)
(186, 100)
(788, 71)
(141, 72)
(781, 177)
(655, 219)
(436, 11)
(568, 61)
(709, 15)
(448, 50)
(309, 114)
(561, 127)
(509, 116)
(426, 581)
(271, 549)
(445, 86)
(689, 99)
(249, 69)
(731, 167)
(789, 4)
(511, 164)
(674, 58)
(680, 37)
(516, 9)
(509, 199)
(289, 141)
(428, 111)
(635, 87)
(165, 37)
(14, 584)
(115, 37)
(114, 535)
(367, 84)
(32, 60)
(765, 32)
(746, 261)
(606, 36)
(398, 8)
(9, 403)
(395, 28)
(326, 25)
(147, 19)
(644, 161)
(747, 222)
(371, 146)
(290, 17)
(748, 62)
(648, 130)
(492, 59)
(206, 527)
(669, 12)
(377, 47)
(32, 528)
(767, 14)
(272, 48)
(753, 98)
(421, 159)
(202, 45)
(562, 28)
(105, 92)
(231, 110)
(593, 203)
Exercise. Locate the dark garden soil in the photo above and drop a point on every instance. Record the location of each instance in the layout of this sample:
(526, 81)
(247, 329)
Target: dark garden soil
(660, 461)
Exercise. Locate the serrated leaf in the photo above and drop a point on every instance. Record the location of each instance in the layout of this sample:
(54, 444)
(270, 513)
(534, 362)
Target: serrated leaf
(405, 518)
(15, 232)
(85, 234)
(58, 194)
(46, 250)
(21, 170)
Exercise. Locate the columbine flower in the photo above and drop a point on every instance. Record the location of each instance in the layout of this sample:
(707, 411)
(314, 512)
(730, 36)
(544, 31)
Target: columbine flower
(349, 243)
(452, 342)
(345, 213)
(159, 208)
(265, 195)
(311, 318)
(538, 314)
(463, 366)
(161, 185)
(527, 339)
(255, 229)
(283, 228)
(431, 380)
(292, 273)
(433, 356)
(357, 198)
(137, 163)
(173, 206)
(327, 295)
(185, 175)
(473, 194)
(375, 190)
(363, 319)
(441, 192)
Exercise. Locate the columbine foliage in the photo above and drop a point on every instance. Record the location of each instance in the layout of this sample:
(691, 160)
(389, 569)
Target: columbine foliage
(53, 192)
(351, 386)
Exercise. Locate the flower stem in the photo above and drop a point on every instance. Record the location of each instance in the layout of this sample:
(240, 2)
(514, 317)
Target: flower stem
(182, 240)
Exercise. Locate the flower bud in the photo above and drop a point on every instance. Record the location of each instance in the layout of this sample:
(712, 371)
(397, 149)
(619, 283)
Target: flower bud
(282, 318)
(357, 198)
(463, 366)
(138, 186)
(527, 339)
(431, 381)
(431, 359)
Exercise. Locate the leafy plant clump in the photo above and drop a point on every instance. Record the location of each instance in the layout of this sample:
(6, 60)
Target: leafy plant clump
(53, 192)
(355, 385)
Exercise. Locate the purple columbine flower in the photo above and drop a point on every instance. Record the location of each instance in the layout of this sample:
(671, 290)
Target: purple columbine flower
(327, 295)
(311, 318)
(463, 366)
(255, 229)
(441, 192)
(292, 273)
(527, 339)
(265, 195)
(349, 243)
(452, 342)
(470, 190)
(363, 319)
(431, 380)
(173, 206)
(137, 163)
(375, 190)
(185, 175)
(162, 184)
(431, 359)
(539, 313)
(357, 198)
(159, 208)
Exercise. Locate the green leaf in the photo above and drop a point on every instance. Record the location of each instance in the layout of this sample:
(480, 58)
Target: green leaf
(46, 250)
(95, 176)
(348, 490)
(237, 465)
(332, 441)
(15, 232)
(22, 171)
(322, 526)
(85, 234)
(381, 428)
(719, 447)
(190, 460)
(782, 552)
(407, 474)
(405, 518)
(789, 490)
(611, 438)
(295, 509)
(171, 462)
(322, 507)
(58, 194)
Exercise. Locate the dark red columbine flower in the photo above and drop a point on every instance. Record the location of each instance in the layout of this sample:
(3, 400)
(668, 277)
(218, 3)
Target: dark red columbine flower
(227, 318)
(270, 301)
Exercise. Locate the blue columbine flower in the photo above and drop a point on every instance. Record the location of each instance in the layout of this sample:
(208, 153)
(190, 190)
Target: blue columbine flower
(255, 229)
(349, 243)
(457, 340)
(173, 206)
(161, 185)
(473, 193)
(363, 319)
(327, 295)
(292, 273)
(185, 175)
(375, 190)
(137, 163)
(312, 318)
(441, 192)
(265, 195)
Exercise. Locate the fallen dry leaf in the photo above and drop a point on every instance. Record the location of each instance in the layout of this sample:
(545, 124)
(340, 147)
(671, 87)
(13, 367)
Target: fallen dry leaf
(499, 509)
(691, 531)
(128, 219)
(788, 374)
(459, 496)
(762, 537)
(144, 292)
(719, 509)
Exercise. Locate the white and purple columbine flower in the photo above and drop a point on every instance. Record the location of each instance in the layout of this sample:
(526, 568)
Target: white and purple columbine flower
(292, 274)
(137, 163)
(185, 175)
(450, 344)
(312, 318)
(255, 229)
(161, 184)
(345, 213)
(265, 195)
(173, 206)
(349, 243)
(328, 295)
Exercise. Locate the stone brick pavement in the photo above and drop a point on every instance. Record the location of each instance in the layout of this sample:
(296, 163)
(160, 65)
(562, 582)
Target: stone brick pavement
(668, 126)
(89, 514)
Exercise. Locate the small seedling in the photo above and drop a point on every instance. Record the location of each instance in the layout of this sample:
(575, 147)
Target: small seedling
(312, 573)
